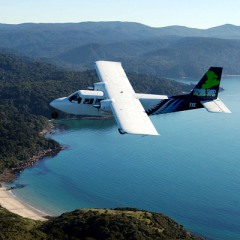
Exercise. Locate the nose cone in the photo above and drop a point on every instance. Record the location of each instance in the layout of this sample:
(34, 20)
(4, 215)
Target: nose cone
(54, 103)
(60, 103)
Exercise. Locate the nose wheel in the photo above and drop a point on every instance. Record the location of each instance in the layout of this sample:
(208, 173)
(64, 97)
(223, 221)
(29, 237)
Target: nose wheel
(54, 114)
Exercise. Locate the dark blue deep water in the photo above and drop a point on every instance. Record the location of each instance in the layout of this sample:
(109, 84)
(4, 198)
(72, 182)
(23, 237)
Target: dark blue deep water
(190, 173)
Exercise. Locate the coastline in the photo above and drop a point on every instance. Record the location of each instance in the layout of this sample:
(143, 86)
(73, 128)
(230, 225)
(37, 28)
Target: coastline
(11, 202)
(8, 200)
(8, 175)
(230, 75)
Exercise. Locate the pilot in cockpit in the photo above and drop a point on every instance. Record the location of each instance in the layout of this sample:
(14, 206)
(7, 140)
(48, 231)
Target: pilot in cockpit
(75, 98)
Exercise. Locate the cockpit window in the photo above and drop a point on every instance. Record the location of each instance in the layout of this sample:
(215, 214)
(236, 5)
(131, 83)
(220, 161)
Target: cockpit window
(75, 98)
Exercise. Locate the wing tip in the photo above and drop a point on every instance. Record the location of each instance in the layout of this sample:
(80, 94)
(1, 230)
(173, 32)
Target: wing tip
(144, 133)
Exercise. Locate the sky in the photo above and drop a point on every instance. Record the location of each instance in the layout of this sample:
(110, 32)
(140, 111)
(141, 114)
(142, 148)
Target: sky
(154, 13)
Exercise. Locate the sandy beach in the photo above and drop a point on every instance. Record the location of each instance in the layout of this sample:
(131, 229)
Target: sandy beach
(11, 203)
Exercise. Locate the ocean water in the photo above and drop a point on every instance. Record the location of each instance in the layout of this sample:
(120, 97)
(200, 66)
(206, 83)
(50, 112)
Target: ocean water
(190, 173)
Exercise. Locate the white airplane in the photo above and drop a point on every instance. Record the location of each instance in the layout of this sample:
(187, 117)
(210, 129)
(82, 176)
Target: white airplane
(114, 95)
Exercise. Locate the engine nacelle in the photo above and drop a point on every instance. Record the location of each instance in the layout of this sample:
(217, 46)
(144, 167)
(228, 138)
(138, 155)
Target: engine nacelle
(100, 86)
(105, 107)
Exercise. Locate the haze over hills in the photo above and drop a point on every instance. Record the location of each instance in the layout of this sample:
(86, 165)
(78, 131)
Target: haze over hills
(188, 57)
(90, 52)
(181, 57)
(173, 51)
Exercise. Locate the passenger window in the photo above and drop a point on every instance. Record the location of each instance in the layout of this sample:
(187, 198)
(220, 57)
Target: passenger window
(86, 101)
(98, 100)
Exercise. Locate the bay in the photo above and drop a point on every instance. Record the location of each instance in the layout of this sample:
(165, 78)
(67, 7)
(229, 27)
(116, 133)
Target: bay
(190, 173)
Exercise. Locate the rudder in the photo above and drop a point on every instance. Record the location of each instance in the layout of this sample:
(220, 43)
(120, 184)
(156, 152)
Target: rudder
(208, 86)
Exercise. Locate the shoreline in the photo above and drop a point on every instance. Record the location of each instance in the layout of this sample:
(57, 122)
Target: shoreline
(230, 75)
(9, 174)
(10, 202)
(14, 204)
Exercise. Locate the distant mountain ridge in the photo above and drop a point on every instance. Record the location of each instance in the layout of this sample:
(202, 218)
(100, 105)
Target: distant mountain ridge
(180, 57)
(173, 51)
(48, 39)
(188, 57)
(138, 29)
(92, 52)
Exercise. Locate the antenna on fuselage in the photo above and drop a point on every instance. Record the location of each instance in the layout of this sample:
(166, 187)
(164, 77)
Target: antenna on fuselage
(147, 90)
(92, 86)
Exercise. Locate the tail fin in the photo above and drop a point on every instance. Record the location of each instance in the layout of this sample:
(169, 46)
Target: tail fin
(208, 86)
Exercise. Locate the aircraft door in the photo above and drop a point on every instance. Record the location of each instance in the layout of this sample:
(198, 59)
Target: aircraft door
(88, 106)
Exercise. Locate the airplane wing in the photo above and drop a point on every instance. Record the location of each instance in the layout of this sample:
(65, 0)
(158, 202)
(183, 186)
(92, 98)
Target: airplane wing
(127, 110)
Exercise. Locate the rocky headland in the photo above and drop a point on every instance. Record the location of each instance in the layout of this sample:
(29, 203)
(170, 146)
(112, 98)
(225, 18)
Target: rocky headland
(9, 174)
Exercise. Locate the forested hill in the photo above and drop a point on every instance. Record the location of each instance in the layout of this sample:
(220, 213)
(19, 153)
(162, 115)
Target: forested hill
(188, 57)
(89, 53)
(32, 86)
(168, 57)
(184, 57)
(27, 88)
(95, 224)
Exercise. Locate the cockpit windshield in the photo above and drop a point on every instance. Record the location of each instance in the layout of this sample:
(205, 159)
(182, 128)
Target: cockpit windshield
(75, 98)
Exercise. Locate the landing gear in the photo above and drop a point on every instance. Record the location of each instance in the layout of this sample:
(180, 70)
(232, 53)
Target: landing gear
(121, 132)
(54, 114)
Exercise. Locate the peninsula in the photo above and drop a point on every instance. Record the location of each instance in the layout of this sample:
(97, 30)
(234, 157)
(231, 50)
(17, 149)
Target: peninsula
(94, 224)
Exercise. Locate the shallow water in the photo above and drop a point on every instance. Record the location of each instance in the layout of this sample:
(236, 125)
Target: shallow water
(189, 173)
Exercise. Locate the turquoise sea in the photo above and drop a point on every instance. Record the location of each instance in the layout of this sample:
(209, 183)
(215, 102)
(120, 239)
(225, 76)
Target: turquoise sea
(190, 173)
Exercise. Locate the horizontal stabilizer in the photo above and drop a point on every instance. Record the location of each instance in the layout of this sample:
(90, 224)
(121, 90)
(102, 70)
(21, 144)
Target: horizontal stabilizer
(215, 106)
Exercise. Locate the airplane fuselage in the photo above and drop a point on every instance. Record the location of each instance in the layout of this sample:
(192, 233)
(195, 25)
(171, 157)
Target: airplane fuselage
(93, 103)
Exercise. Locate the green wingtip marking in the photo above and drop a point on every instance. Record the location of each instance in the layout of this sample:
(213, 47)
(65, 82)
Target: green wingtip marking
(212, 80)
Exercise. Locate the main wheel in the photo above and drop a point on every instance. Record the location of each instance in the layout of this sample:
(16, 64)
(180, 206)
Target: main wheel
(120, 131)
(54, 114)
